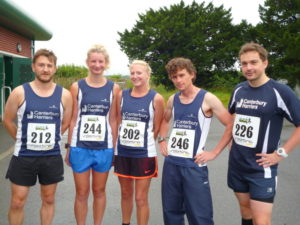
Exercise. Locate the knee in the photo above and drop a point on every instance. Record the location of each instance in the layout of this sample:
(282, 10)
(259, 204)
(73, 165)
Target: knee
(17, 203)
(127, 194)
(99, 192)
(82, 195)
(48, 199)
(141, 201)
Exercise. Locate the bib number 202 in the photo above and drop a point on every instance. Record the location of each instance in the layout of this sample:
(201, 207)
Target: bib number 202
(131, 134)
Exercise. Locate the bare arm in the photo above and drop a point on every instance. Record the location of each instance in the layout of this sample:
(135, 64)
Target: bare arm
(113, 115)
(164, 127)
(158, 113)
(67, 104)
(74, 95)
(213, 105)
(119, 116)
(273, 158)
(293, 141)
(14, 100)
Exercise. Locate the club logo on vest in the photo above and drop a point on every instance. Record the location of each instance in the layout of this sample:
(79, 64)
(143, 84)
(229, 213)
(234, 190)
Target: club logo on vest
(250, 104)
(52, 107)
(104, 100)
(191, 115)
(142, 110)
(42, 115)
(30, 115)
(94, 108)
(84, 108)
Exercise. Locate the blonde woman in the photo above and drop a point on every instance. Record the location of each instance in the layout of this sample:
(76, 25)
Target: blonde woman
(92, 131)
(140, 112)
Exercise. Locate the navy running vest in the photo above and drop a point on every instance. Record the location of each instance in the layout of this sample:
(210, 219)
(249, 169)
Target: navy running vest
(39, 124)
(136, 129)
(189, 131)
(92, 129)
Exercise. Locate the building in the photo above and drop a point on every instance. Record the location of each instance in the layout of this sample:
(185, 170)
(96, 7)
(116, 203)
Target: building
(18, 32)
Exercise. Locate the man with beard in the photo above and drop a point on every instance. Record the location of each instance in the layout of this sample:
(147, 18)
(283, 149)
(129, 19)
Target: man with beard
(43, 110)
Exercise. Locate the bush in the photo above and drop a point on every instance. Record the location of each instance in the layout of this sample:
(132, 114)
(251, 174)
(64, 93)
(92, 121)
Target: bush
(225, 81)
(71, 71)
(68, 74)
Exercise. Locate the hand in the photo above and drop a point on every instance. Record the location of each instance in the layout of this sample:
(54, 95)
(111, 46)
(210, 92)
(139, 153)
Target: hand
(67, 157)
(267, 160)
(113, 160)
(204, 157)
(163, 146)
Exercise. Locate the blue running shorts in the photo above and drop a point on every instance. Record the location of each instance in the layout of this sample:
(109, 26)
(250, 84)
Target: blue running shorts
(82, 159)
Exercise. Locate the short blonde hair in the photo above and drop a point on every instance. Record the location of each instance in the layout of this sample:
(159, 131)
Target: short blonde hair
(97, 48)
(142, 63)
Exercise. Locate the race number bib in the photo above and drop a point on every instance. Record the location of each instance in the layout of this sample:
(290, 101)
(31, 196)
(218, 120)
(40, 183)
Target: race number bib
(132, 133)
(40, 136)
(181, 143)
(92, 128)
(245, 130)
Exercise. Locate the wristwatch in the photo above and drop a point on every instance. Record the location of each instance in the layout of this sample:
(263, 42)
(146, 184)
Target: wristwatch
(67, 145)
(281, 152)
(160, 139)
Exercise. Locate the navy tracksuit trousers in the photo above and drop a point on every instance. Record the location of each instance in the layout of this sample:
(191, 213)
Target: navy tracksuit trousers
(186, 190)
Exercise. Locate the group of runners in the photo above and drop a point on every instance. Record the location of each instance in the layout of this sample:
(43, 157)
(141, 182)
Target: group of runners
(109, 127)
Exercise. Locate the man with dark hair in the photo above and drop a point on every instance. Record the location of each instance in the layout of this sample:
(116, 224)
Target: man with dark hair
(259, 106)
(185, 186)
(43, 110)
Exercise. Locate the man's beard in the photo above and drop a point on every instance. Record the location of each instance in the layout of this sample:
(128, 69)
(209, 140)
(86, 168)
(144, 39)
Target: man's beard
(43, 80)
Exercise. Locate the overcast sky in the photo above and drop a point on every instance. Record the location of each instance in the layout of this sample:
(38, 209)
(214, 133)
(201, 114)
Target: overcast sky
(77, 25)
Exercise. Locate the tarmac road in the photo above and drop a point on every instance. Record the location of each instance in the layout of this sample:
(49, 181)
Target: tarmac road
(286, 209)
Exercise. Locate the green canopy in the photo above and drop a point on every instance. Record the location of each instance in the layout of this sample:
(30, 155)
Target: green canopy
(14, 19)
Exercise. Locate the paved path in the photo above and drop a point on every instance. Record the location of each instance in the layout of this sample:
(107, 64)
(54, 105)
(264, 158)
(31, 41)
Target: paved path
(226, 212)
(6, 142)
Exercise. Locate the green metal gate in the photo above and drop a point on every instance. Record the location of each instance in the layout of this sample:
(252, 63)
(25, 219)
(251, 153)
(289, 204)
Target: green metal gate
(22, 72)
(13, 72)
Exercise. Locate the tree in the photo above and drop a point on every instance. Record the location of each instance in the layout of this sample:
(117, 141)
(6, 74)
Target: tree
(205, 34)
(279, 32)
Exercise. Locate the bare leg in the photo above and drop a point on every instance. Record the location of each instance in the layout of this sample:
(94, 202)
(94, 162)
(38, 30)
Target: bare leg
(82, 184)
(259, 212)
(99, 204)
(127, 198)
(141, 198)
(244, 202)
(48, 203)
(18, 198)
(262, 212)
